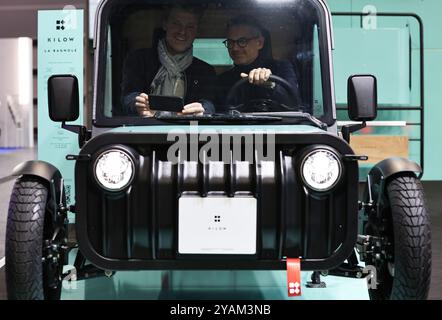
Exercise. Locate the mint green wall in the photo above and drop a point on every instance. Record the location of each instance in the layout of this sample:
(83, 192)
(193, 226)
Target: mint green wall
(429, 11)
(59, 57)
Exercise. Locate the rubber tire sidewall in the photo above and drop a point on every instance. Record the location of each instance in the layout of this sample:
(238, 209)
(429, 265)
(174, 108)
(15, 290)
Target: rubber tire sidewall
(24, 241)
(412, 241)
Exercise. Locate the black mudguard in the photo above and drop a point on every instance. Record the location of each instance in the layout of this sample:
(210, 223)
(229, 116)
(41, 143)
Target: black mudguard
(379, 174)
(37, 168)
(50, 174)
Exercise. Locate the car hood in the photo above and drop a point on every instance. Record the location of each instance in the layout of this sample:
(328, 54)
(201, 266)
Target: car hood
(287, 129)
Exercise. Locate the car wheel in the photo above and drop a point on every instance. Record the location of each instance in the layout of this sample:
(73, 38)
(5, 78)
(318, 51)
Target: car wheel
(402, 249)
(34, 244)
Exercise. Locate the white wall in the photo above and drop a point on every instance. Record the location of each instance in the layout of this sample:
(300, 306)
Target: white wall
(16, 93)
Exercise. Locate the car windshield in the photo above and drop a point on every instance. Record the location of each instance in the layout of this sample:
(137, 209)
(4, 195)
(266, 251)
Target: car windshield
(212, 60)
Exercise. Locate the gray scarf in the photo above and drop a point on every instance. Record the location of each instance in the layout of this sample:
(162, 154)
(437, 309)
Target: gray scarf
(170, 79)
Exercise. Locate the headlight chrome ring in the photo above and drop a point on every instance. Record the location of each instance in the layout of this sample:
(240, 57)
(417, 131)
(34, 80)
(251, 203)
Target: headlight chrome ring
(321, 169)
(114, 169)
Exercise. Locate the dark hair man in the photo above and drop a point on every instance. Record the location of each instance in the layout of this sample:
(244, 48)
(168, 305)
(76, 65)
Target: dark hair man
(247, 48)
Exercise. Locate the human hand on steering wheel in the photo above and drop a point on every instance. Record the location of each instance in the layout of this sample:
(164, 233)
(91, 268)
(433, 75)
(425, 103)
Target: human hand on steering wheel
(261, 105)
(257, 76)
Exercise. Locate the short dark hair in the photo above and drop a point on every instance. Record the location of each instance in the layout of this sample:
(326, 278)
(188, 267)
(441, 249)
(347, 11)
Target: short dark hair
(246, 20)
(197, 10)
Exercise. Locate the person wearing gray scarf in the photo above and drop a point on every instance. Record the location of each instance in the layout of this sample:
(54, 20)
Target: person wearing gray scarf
(170, 69)
(170, 80)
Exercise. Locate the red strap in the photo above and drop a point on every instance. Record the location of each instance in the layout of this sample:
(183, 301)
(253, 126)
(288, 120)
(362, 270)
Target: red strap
(294, 277)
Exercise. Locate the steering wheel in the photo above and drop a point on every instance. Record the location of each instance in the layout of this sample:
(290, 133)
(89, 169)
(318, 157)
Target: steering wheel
(262, 105)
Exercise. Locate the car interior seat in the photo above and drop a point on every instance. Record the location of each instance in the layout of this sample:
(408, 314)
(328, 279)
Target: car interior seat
(157, 35)
(266, 51)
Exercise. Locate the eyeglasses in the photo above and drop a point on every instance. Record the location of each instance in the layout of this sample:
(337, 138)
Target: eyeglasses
(241, 42)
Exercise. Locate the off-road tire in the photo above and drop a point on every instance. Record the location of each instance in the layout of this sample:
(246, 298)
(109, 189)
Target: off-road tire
(409, 218)
(24, 241)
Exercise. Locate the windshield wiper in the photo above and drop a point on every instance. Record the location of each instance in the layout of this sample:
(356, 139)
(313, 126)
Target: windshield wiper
(303, 116)
(217, 117)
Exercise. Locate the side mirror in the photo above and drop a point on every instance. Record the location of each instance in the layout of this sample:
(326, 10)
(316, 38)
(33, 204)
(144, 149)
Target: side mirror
(362, 97)
(63, 98)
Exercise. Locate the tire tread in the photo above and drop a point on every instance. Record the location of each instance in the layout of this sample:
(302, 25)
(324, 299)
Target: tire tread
(24, 236)
(412, 239)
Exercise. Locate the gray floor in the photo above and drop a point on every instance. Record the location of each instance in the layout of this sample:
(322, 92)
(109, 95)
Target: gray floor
(433, 194)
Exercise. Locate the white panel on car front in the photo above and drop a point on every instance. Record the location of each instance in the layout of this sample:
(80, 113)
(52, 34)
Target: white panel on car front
(217, 225)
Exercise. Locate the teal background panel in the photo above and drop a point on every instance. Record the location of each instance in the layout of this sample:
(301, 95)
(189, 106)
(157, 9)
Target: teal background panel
(411, 131)
(212, 51)
(344, 6)
(359, 51)
(394, 46)
(60, 51)
(388, 115)
(433, 114)
(429, 12)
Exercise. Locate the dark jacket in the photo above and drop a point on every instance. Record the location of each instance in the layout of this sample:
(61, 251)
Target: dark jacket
(247, 92)
(142, 65)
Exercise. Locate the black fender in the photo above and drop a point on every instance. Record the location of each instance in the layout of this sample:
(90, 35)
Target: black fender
(37, 168)
(51, 175)
(379, 174)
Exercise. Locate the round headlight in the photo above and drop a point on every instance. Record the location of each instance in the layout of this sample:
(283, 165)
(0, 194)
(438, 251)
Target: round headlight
(114, 169)
(321, 169)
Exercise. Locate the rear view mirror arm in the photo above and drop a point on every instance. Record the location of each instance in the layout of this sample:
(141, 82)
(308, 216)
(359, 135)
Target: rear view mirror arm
(348, 129)
(83, 133)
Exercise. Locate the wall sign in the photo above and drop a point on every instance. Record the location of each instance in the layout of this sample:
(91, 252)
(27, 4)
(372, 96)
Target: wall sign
(60, 51)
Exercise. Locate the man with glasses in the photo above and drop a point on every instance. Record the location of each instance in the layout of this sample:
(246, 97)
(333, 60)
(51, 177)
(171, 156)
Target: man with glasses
(252, 59)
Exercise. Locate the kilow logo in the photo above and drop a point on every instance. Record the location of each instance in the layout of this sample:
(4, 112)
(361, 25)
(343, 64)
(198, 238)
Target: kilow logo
(69, 20)
(60, 25)
(61, 40)
(217, 226)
